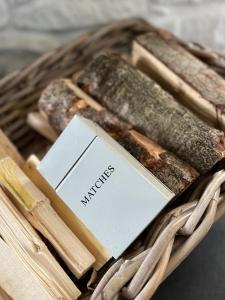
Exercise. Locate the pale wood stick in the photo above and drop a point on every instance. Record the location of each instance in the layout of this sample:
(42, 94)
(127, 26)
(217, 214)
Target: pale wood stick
(8, 149)
(17, 280)
(33, 161)
(100, 253)
(194, 83)
(22, 239)
(40, 124)
(37, 209)
(151, 286)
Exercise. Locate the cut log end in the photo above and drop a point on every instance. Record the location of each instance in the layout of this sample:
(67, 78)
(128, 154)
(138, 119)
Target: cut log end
(58, 89)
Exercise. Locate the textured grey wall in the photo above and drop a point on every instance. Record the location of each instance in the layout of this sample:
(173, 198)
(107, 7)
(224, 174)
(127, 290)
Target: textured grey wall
(30, 27)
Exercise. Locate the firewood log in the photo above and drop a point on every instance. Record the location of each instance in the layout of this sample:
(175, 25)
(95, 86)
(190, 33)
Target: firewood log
(61, 101)
(159, 54)
(36, 207)
(140, 101)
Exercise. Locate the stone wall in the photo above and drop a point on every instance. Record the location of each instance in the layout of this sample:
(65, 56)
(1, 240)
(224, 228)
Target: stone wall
(31, 27)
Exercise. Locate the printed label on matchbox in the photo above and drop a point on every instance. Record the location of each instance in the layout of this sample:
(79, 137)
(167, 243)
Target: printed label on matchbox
(108, 189)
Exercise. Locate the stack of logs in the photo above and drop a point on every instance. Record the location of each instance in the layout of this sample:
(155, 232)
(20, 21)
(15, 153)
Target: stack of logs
(151, 116)
(165, 108)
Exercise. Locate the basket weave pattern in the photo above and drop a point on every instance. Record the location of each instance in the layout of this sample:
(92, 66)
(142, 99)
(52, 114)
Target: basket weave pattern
(173, 235)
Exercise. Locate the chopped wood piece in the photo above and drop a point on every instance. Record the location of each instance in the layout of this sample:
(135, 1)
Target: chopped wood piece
(173, 172)
(100, 253)
(22, 240)
(8, 149)
(140, 101)
(37, 209)
(17, 280)
(195, 84)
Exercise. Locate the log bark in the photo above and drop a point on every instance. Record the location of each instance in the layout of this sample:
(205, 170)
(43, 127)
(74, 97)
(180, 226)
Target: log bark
(61, 106)
(143, 103)
(160, 54)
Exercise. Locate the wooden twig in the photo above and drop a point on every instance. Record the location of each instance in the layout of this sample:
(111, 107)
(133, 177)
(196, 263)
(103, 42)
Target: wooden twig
(112, 285)
(107, 276)
(195, 238)
(203, 202)
(37, 209)
(154, 255)
(151, 286)
(144, 104)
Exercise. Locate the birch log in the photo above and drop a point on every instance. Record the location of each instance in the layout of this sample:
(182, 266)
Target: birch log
(140, 101)
(195, 84)
(60, 102)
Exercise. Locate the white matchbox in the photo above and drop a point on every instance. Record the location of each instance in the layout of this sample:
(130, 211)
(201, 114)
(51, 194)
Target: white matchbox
(106, 188)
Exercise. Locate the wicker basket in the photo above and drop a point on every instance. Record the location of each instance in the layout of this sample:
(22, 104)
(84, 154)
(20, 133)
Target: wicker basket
(161, 249)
